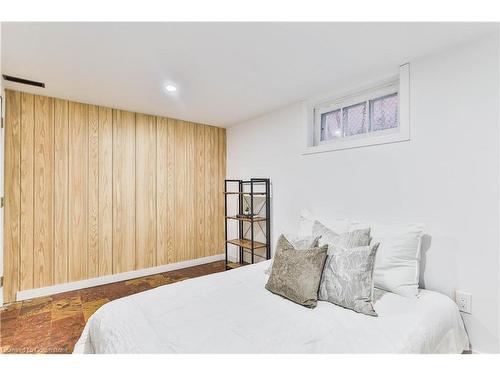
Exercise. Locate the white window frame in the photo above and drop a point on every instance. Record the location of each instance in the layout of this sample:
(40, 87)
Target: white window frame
(400, 84)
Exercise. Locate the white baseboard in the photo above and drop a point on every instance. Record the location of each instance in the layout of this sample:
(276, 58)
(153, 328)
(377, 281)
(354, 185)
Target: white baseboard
(60, 288)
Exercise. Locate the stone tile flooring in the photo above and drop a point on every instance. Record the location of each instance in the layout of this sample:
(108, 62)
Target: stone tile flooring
(53, 324)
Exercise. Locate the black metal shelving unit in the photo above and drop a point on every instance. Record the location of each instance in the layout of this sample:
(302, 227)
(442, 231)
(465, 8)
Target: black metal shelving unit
(249, 188)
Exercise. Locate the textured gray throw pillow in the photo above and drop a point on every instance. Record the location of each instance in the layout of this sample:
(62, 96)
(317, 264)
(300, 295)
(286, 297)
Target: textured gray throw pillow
(347, 278)
(297, 242)
(296, 274)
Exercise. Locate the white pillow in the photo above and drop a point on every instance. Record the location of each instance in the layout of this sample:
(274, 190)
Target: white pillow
(398, 257)
(307, 219)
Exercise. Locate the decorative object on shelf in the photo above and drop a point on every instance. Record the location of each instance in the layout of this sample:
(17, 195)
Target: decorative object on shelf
(253, 218)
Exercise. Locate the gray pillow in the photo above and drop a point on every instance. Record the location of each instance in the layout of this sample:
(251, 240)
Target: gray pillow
(302, 242)
(297, 242)
(359, 237)
(347, 278)
(296, 274)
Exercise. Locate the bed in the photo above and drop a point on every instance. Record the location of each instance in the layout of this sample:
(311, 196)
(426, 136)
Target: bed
(232, 312)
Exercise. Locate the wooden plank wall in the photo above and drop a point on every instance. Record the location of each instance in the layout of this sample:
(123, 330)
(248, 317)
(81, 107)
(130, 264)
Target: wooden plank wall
(92, 191)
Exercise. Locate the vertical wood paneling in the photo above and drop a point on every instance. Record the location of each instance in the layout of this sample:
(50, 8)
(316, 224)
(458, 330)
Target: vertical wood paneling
(93, 192)
(61, 191)
(214, 190)
(171, 219)
(123, 191)
(161, 191)
(78, 188)
(200, 195)
(165, 190)
(190, 192)
(221, 167)
(43, 236)
(12, 213)
(210, 191)
(27, 191)
(180, 194)
(145, 191)
(105, 191)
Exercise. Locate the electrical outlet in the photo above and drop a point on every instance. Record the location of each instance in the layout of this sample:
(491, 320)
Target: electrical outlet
(464, 301)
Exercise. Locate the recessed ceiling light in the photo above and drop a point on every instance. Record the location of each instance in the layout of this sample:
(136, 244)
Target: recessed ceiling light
(171, 88)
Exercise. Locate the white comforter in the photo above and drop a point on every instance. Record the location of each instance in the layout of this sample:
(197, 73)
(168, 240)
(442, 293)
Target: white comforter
(232, 312)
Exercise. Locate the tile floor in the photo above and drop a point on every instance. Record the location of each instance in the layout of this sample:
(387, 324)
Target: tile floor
(53, 324)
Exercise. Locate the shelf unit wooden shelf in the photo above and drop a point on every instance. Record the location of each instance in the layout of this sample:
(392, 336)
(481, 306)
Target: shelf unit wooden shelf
(243, 193)
(255, 218)
(255, 187)
(247, 244)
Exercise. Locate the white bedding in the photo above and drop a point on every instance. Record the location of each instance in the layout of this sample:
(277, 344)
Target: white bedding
(232, 312)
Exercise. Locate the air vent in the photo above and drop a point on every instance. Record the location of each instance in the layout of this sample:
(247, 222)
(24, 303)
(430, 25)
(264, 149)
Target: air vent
(23, 81)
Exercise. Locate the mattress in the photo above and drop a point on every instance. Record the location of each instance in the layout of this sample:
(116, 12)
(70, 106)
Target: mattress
(232, 312)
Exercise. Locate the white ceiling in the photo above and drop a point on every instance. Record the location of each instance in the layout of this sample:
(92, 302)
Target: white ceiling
(225, 72)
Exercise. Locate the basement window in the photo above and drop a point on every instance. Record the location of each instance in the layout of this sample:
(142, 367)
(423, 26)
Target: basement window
(375, 115)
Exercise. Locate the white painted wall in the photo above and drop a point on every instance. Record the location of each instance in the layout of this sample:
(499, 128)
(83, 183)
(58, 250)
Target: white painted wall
(446, 176)
(498, 99)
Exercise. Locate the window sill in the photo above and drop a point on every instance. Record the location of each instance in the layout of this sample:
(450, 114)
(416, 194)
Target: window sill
(355, 143)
